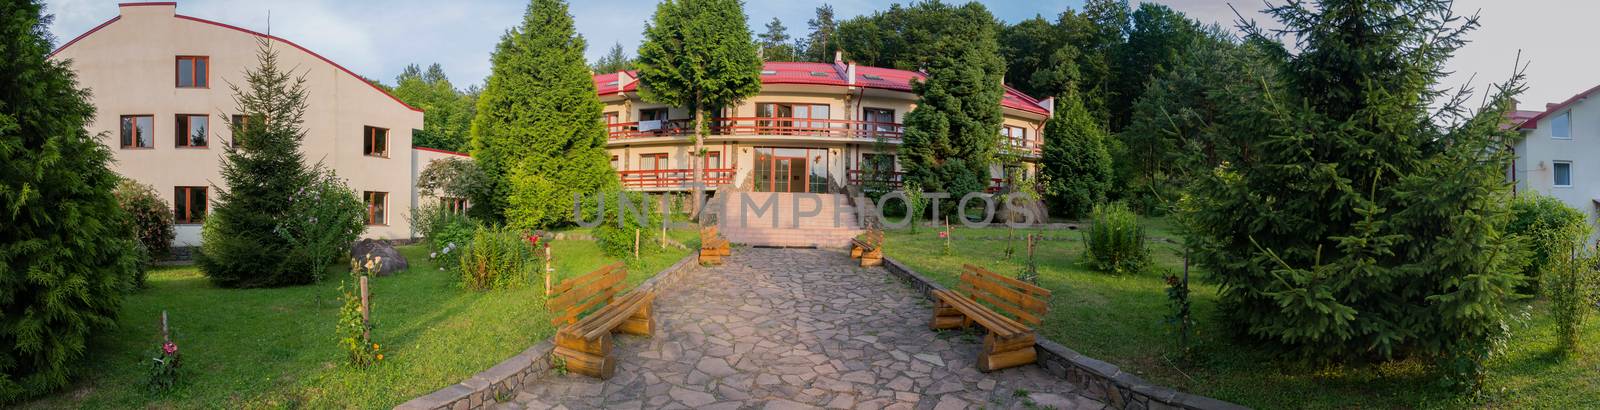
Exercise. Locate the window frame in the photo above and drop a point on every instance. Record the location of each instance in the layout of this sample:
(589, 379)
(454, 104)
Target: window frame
(369, 139)
(1566, 117)
(135, 140)
(375, 208)
(188, 205)
(706, 160)
(1555, 174)
(200, 73)
(181, 132)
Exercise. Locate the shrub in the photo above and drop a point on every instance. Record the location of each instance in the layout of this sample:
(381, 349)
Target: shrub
(444, 232)
(1550, 228)
(1573, 285)
(615, 235)
(323, 219)
(1114, 242)
(497, 258)
(354, 330)
(150, 215)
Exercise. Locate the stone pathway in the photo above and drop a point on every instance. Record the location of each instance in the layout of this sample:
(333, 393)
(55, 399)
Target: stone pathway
(792, 329)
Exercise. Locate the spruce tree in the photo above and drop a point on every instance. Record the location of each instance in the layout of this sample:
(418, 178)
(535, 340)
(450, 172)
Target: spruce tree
(820, 45)
(66, 250)
(538, 135)
(1354, 221)
(953, 133)
(775, 44)
(698, 54)
(262, 168)
(615, 60)
(1076, 165)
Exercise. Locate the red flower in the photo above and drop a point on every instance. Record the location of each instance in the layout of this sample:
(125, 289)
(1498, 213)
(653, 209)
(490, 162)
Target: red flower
(943, 235)
(169, 348)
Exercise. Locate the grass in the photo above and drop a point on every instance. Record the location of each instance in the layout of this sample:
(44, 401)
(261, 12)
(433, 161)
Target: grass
(1121, 319)
(276, 348)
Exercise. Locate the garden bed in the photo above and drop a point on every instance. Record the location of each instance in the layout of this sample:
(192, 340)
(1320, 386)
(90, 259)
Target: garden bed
(255, 348)
(1121, 320)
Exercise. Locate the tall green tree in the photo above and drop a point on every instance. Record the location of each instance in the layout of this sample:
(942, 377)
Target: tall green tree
(900, 36)
(1076, 164)
(698, 54)
(538, 135)
(262, 168)
(952, 134)
(448, 124)
(820, 45)
(615, 60)
(775, 44)
(1157, 36)
(1171, 138)
(1356, 221)
(1040, 58)
(66, 253)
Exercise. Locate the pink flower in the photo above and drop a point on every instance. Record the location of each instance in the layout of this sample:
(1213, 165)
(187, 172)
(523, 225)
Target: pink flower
(169, 348)
(943, 235)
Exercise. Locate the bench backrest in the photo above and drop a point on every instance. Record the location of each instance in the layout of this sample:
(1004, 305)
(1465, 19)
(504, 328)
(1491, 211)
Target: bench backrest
(573, 296)
(1021, 300)
(708, 232)
(875, 236)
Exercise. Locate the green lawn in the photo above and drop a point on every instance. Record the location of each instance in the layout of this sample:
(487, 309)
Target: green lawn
(275, 348)
(1121, 319)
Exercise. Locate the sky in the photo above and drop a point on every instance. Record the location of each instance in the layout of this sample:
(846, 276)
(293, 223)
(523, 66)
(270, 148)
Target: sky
(378, 38)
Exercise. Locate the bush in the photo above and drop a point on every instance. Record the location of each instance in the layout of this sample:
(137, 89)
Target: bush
(323, 219)
(497, 258)
(1550, 228)
(1573, 285)
(163, 371)
(615, 235)
(354, 330)
(150, 215)
(1114, 242)
(444, 232)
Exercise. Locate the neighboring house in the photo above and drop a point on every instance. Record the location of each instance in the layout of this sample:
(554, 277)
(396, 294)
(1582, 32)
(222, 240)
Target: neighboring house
(160, 83)
(1559, 155)
(814, 127)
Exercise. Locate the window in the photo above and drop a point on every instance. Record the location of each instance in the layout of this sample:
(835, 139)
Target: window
(191, 130)
(878, 164)
(1015, 136)
(653, 114)
(713, 160)
(455, 205)
(375, 141)
(879, 120)
(192, 71)
(377, 203)
(790, 111)
(1561, 126)
(1563, 173)
(611, 117)
(138, 131)
(653, 161)
(189, 205)
(614, 162)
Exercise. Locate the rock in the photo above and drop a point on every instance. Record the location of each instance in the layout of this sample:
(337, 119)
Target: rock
(392, 260)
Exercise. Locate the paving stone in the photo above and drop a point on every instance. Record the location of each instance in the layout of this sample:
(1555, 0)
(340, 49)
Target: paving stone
(793, 328)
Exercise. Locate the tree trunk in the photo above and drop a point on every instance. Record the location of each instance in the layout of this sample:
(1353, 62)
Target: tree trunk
(698, 163)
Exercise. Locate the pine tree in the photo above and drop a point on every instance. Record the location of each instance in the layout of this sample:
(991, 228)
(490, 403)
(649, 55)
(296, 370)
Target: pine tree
(538, 134)
(449, 121)
(775, 42)
(1355, 221)
(263, 168)
(615, 60)
(1076, 165)
(953, 133)
(821, 44)
(66, 252)
(698, 54)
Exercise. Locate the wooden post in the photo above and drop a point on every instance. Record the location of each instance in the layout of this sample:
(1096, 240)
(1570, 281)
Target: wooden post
(665, 218)
(165, 336)
(366, 310)
(636, 232)
(548, 270)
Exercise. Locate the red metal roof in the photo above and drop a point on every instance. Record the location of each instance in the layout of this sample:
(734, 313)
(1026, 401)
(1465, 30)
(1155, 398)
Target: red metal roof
(462, 154)
(828, 74)
(1533, 122)
(247, 31)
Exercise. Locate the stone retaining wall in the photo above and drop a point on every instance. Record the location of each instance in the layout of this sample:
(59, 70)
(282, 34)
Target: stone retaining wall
(1100, 380)
(498, 383)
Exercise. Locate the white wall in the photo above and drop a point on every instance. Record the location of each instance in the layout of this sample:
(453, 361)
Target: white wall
(1538, 151)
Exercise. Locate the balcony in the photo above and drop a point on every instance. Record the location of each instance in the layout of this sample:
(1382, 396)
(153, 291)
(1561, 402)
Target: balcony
(863, 177)
(673, 179)
(785, 126)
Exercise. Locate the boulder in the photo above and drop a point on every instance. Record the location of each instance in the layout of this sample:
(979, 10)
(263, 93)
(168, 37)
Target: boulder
(392, 260)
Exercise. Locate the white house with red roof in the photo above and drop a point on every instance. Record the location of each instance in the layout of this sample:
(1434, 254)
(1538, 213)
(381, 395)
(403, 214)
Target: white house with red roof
(160, 84)
(1559, 155)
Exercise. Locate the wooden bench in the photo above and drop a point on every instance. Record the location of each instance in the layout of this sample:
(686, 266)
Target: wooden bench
(585, 344)
(712, 246)
(868, 248)
(1010, 341)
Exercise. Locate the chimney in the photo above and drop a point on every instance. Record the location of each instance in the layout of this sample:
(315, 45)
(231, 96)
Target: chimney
(838, 56)
(623, 79)
(850, 72)
(1049, 104)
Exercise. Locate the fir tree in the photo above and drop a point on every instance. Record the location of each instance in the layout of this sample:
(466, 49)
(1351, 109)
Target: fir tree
(1076, 165)
(538, 134)
(820, 45)
(775, 42)
(698, 54)
(953, 133)
(615, 60)
(1355, 221)
(262, 168)
(66, 252)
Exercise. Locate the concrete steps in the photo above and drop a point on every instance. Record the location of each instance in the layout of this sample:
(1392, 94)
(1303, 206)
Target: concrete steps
(743, 224)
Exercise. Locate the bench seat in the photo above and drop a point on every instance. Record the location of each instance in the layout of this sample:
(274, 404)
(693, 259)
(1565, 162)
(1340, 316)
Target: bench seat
(1007, 308)
(584, 345)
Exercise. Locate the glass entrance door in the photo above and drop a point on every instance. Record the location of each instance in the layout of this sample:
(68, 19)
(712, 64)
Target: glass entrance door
(789, 174)
(791, 170)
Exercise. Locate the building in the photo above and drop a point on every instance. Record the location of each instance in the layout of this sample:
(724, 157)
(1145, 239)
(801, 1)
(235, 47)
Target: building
(1559, 155)
(814, 127)
(160, 84)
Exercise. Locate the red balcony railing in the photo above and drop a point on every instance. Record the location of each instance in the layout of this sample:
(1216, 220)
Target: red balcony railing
(676, 178)
(995, 185)
(761, 126)
(893, 179)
